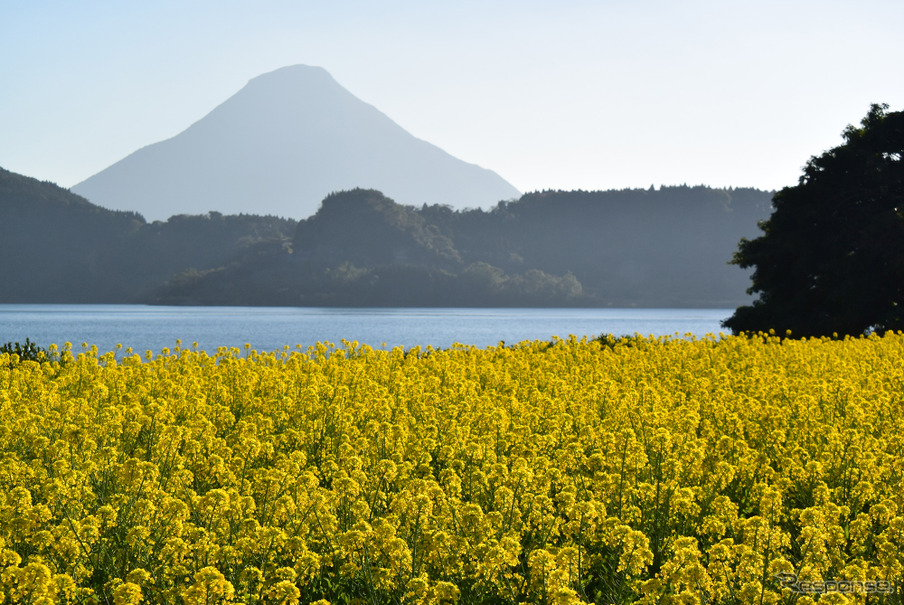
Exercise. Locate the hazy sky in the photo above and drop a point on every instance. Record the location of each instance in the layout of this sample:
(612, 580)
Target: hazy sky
(563, 94)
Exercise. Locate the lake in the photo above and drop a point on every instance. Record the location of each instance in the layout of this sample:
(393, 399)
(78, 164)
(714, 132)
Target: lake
(153, 328)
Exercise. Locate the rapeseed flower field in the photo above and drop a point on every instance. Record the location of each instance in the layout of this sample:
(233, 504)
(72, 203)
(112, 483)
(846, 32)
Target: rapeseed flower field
(638, 470)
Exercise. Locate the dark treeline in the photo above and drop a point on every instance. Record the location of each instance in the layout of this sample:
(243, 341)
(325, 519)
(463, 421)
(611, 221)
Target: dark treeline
(56, 247)
(666, 247)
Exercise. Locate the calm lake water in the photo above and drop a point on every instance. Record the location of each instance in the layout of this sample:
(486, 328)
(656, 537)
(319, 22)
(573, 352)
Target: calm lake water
(270, 328)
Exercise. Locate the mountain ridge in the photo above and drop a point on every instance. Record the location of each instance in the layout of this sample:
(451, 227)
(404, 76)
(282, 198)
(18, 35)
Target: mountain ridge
(636, 247)
(278, 146)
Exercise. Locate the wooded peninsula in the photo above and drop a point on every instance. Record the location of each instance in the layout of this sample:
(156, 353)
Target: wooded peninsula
(666, 247)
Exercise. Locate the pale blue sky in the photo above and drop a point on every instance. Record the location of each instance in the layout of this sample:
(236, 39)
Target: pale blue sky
(563, 94)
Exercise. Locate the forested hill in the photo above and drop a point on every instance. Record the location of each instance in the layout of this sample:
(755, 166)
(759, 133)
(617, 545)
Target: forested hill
(667, 247)
(56, 247)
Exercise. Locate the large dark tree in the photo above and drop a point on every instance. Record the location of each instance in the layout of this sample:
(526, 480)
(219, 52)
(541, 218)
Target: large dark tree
(831, 258)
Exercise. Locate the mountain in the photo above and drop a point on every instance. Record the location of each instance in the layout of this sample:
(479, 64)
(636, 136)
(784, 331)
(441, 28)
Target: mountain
(54, 244)
(630, 248)
(636, 247)
(279, 146)
(57, 247)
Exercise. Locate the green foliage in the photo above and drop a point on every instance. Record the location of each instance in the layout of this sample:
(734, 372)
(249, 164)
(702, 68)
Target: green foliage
(633, 247)
(57, 247)
(365, 228)
(27, 352)
(664, 247)
(831, 256)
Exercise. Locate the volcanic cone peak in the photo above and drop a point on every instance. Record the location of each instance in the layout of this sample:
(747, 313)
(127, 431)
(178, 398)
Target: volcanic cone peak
(279, 146)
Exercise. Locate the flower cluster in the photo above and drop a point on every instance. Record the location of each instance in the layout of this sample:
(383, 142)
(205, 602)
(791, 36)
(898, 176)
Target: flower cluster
(638, 470)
